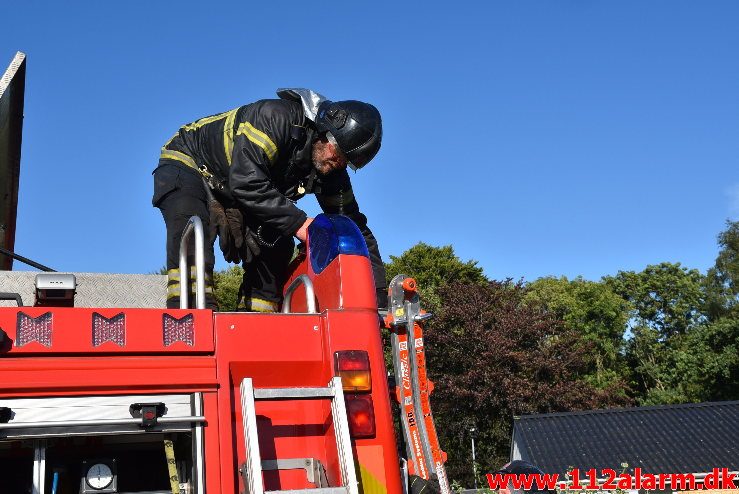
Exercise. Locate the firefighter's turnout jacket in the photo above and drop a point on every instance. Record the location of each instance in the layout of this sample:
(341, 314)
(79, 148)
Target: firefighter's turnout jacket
(258, 158)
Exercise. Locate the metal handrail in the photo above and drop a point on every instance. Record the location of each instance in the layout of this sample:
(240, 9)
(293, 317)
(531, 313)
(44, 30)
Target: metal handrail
(87, 423)
(310, 294)
(196, 225)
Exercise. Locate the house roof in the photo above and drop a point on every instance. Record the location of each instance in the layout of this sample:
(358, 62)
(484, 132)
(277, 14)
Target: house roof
(692, 438)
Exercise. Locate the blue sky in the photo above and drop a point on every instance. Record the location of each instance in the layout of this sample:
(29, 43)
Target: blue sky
(537, 137)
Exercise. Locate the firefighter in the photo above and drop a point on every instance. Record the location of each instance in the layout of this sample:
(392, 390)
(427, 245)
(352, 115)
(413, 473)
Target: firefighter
(242, 171)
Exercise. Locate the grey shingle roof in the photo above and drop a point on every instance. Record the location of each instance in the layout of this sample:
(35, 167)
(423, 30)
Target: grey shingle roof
(688, 438)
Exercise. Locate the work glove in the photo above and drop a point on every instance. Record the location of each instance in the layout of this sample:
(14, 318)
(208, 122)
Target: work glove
(235, 239)
(245, 242)
(220, 225)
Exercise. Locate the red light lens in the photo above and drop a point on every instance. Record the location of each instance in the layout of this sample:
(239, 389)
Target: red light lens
(182, 329)
(352, 360)
(361, 412)
(36, 329)
(104, 329)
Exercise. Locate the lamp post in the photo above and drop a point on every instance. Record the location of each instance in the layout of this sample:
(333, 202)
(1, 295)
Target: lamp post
(473, 434)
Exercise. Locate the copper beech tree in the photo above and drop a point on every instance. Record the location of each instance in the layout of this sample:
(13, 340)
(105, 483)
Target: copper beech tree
(492, 356)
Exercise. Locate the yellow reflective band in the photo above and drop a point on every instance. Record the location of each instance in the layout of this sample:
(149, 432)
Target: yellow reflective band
(228, 134)
(204, 121)
(259, 138)
(174, 275)
(261, 305)
(174, 290)
(170, 140)
(178, 156)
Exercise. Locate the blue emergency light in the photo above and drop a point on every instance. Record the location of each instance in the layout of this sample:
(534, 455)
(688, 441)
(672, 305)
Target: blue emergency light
(331, 235)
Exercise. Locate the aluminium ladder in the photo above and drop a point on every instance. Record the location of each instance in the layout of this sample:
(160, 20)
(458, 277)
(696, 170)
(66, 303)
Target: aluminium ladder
(252, 469)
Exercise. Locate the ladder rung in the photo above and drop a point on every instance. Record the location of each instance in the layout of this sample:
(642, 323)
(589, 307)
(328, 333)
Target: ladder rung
(283, 393)
(322, 490)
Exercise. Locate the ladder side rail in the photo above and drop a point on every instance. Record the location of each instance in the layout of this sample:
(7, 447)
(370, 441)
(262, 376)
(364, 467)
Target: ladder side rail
(199, 445)
(411, 311)
(194, 225)
(422, 406)
(252, 472)
(343, 439)
(397, 368)
(39, 467)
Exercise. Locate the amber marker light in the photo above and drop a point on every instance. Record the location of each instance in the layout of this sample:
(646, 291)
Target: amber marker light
(354, 369)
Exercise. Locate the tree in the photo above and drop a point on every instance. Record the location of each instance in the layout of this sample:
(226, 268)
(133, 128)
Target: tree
(227, 283)
(719, 340)
(713, 355)
(665, 297)
(597, 313)
(493, 356)
(722, 280)
(666, 306)
(433, 267)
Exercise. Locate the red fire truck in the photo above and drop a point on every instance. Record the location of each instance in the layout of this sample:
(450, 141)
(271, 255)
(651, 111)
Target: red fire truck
(150, 400)
(90, 395)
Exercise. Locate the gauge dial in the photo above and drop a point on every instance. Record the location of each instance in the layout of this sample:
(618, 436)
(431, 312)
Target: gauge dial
(99, 476)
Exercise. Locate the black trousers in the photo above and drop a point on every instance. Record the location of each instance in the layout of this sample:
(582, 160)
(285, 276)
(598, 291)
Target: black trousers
(179, 193)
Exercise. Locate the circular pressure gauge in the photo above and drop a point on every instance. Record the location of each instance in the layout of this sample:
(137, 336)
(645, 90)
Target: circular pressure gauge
(99, 476)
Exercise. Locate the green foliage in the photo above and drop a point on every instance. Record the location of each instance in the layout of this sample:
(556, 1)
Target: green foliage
(596, 312)
(722, 280)
(665, 305)
(661, 370)
(714, 355)
(227, 283)
(162, 270)
(683, 330)
(433, 267)
(666, 297)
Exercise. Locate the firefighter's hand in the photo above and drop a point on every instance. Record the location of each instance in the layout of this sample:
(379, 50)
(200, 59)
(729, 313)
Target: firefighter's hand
(220, 225)
(302, 232)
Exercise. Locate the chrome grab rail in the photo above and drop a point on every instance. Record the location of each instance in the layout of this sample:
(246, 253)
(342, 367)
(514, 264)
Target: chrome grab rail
(310, 294)
(87, 423)
(193, 225)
